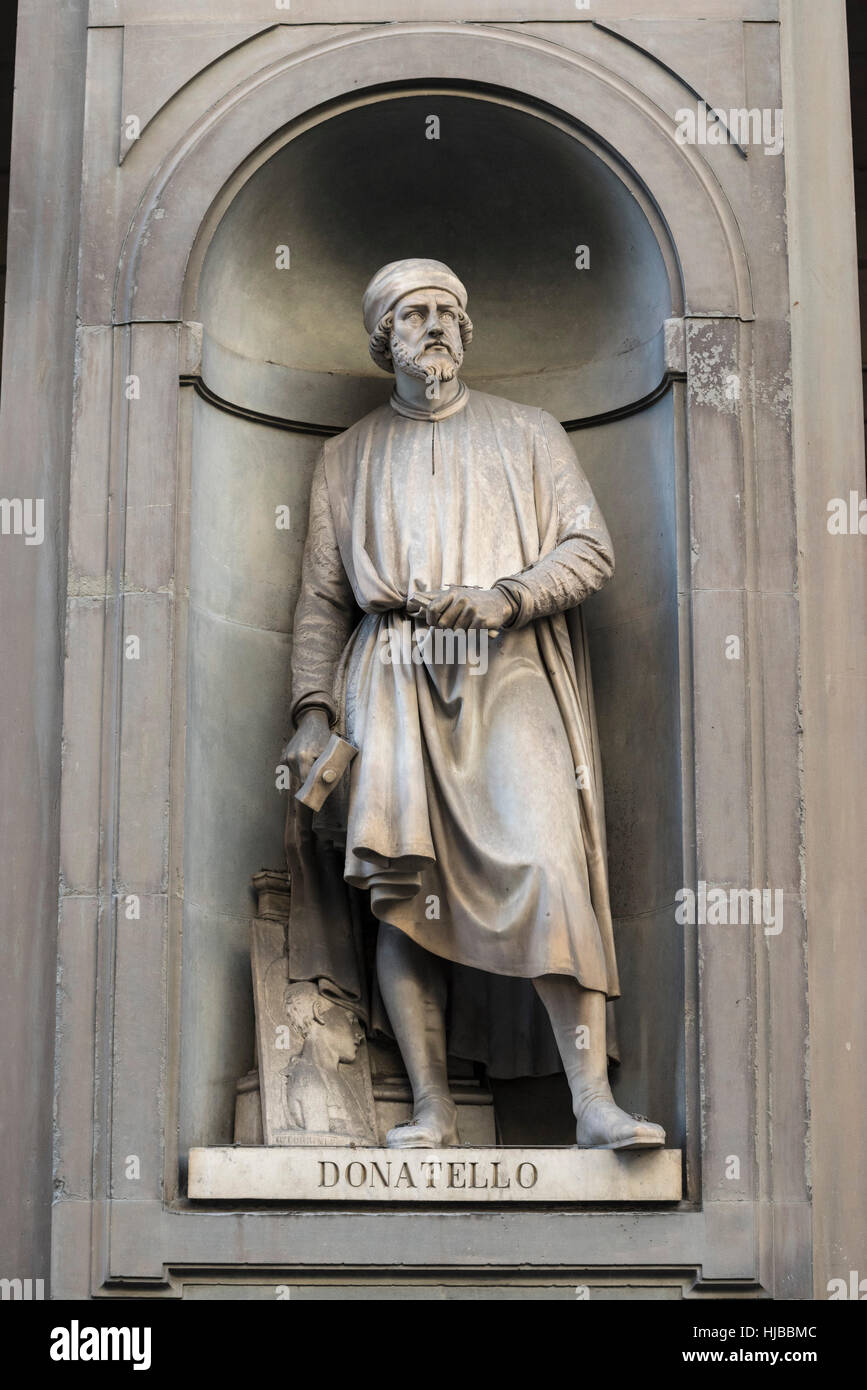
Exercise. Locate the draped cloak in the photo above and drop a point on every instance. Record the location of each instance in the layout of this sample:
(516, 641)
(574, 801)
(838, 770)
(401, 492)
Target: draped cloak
(472, 814)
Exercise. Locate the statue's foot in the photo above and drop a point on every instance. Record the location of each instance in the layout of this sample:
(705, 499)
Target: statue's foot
(434, 1125)
(603, 1125)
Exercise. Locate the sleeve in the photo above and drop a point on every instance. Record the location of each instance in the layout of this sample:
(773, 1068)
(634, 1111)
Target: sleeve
(326, 612)
(583, 558)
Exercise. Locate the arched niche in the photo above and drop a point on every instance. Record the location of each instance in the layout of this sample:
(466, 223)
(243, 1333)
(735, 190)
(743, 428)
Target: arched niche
(505, 194)
(514, 200)
(192, 185)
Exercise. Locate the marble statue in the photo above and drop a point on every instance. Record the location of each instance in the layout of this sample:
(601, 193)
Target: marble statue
(471, 816)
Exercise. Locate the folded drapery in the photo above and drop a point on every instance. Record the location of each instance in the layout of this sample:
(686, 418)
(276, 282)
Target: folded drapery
(473, 811)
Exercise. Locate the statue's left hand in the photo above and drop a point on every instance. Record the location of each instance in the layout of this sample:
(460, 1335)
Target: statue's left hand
(465, 607)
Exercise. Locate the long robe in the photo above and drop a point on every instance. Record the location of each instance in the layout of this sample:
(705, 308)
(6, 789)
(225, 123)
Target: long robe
(473, 811)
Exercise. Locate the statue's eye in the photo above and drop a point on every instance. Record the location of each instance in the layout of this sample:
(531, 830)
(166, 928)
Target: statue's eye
(447, 314)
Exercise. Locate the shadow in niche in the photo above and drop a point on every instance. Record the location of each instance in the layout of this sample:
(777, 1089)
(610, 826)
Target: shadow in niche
(534, 1110)
(506, 198)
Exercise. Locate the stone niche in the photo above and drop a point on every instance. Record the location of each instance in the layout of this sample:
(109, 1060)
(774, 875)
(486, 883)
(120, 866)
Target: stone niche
(571, 283)
(669, 362)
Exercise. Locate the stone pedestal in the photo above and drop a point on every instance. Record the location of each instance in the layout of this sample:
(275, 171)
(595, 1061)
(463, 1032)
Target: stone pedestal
(434, 1175)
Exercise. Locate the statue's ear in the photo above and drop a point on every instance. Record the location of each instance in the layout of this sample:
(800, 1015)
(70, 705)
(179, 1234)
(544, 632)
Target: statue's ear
(320, 1008)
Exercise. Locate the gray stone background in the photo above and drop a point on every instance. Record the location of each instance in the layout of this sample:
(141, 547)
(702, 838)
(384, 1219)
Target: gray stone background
(143, 1027)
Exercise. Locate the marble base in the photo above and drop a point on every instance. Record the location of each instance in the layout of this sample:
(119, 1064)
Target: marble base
(434, 1175)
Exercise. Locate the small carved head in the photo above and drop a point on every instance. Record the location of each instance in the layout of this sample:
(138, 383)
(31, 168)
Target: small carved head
(308, 1011)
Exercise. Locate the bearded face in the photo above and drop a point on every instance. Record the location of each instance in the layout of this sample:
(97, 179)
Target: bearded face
(426, 337)
(440, 363)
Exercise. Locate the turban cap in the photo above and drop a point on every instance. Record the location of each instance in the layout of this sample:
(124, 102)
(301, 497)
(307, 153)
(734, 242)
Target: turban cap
(391, 282)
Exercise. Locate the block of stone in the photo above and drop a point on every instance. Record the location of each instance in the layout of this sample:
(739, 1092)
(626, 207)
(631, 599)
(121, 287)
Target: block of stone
(490, 1175)
(314, 1078)
(248, 1110)
(273, 1040)
(272, 889)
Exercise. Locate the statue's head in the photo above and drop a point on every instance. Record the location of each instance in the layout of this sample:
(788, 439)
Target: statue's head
(416, 314)
(313, 1014)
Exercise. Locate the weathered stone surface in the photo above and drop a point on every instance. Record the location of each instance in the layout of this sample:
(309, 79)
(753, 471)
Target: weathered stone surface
(756, 519)
(296, 1054)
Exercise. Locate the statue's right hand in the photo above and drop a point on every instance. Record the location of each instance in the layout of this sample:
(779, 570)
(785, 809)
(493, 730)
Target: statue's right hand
(306, 744)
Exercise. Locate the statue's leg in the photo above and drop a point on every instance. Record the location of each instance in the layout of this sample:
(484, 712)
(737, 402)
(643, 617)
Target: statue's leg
(578, 1019)
(412, 983)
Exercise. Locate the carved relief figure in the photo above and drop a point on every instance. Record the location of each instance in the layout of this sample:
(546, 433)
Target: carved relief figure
(320, 1097)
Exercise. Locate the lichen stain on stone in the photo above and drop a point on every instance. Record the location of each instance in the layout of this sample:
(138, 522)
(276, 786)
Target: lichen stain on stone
(710, 367)
(776, 394)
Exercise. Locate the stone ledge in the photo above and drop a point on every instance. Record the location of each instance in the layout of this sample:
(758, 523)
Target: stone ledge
(434, 1175)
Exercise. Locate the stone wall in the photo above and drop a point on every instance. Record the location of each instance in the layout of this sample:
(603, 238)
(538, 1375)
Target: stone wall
(180, 386)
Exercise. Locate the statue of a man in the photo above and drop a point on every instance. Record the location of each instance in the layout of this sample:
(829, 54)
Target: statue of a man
(473, 815)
